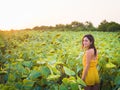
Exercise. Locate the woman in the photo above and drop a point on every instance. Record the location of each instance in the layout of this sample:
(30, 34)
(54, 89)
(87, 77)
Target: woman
(90, 60)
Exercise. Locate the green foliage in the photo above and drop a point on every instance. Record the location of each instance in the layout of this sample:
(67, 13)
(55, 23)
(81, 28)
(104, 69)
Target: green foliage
(109, 26)
(79, 26)
(68, 71)
(44, 60)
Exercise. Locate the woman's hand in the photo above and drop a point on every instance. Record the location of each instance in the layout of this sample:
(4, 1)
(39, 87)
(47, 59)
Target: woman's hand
(83, 78)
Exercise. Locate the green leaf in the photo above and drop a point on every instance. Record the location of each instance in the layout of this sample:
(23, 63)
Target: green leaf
(63, 87)
(28, 84)
(28, 64)
(55, 70)
(45, 71)
(117, 80)
(74, 86)
(69, 80)
(3, 72)
(19, 68)
(53, 77)
(59, 63)
(80, 81)
(11, 77)
(54, 87)
(20, 60)
(110, 65)
(19, 85)
(40, 62)
(68, 71)
(34, 74)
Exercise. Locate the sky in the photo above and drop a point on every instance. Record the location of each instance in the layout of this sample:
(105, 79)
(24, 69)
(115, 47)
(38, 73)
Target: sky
(21, 14)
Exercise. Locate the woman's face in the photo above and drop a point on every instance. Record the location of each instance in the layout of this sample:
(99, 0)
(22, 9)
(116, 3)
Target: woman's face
(86, 42)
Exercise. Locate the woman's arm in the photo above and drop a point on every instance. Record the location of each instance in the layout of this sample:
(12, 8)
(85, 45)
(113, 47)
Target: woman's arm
(88, 59)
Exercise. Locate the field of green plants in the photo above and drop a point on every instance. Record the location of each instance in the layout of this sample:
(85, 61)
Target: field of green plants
(51, 60)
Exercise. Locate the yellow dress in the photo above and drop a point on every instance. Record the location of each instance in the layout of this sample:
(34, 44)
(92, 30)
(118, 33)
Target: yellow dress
(92, 76)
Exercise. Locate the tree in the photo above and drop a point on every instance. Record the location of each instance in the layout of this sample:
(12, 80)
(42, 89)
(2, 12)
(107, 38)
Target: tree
(103, 26)
(75, 24)
(36, 28)
(109, 26)
(60, 25)
(113, 26)
(89, 26)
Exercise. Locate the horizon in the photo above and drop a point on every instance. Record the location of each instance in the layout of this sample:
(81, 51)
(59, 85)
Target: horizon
(22, 14)
(53, 25)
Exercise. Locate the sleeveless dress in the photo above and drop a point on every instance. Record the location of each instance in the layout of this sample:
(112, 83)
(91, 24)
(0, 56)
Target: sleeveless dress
(92, 76)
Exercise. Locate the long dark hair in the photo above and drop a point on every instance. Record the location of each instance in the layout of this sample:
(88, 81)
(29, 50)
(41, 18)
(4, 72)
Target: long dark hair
(92, 40)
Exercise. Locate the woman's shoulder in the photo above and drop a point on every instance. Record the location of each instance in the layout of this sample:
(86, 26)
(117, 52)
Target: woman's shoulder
(90, 51)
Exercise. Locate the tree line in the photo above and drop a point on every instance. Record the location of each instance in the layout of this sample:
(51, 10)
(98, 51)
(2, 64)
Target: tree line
(79, 26)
